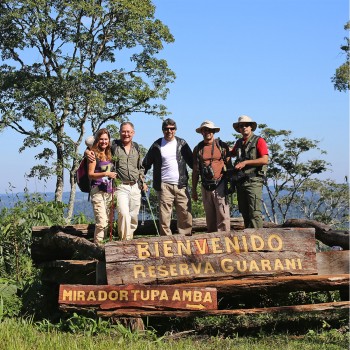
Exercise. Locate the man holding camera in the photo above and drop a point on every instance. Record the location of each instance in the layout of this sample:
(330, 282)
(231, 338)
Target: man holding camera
(251, 154)
(211, 158)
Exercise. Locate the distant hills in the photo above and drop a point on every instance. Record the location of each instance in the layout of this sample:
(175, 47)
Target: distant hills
(82, 205)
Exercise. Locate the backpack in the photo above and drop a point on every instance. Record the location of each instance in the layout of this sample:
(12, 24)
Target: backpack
(82, 177)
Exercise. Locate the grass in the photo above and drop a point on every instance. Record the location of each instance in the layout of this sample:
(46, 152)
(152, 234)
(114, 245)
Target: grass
(86, 334)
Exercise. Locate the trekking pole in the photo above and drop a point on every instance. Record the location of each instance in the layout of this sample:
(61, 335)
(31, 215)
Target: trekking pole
(111, 215)
(150, 209)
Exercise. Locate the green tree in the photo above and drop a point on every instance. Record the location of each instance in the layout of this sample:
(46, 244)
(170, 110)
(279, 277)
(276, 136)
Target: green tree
(287, 170)
(324, 201)
(341, 78)
(72, 64)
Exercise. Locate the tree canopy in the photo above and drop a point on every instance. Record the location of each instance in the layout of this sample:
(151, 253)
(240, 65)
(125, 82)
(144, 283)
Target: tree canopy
(341, 78)
(70, 65)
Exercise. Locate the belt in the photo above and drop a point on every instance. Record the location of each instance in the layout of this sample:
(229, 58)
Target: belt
(131, 183)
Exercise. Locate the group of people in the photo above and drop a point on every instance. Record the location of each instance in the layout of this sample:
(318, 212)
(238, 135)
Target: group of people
(212, 162)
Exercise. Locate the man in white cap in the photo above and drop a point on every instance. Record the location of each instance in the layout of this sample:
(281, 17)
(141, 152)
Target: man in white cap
(211, 157)
(251, 154)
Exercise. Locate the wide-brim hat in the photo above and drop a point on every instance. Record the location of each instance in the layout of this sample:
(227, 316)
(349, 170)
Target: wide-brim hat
(208, 124)
(245, 119)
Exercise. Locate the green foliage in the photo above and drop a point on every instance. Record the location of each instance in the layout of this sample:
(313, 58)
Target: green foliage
(10, 303)
(15, 232)
(95, 62)
(287, 170)
(341, 78)
(29, 335)
(15, 240)
(80, 219)
(324, 201)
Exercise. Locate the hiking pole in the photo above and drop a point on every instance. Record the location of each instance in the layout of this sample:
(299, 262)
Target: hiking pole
(150, 209)
(111, 214)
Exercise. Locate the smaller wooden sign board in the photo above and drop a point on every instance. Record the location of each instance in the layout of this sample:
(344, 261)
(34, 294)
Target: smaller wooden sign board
(139, 296)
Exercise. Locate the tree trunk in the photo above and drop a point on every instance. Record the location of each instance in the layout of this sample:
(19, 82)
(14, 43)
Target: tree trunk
(323, 233)
(62, 246)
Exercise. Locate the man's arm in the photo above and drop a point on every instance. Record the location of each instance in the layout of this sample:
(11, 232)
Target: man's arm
(148, 160)
(195, 174)
(187, 154)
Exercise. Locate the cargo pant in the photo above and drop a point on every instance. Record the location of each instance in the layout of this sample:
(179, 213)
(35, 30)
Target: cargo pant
(180, 197)
(129, 202)
(217, 209)
(101, 203)
(249, 195)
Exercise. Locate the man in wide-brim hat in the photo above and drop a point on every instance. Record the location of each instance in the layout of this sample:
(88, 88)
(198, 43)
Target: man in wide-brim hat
(210, 159)
(251, 154)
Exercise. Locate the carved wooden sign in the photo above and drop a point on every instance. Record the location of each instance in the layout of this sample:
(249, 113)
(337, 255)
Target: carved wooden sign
(139, 296)
(178, 258)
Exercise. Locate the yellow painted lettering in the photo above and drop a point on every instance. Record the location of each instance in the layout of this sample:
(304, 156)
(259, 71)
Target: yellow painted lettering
(278, 265)
(167, 249)
(183, 268)
(81, 295)
(172, 270)
(275, 242)
(143, 250)
(253, 266)
(113, 295)
(196, 268)
(91, 296)
(265, 265)
(156, 249)
(135, 294)
(154, 294)
(290, 264)
(208, 268)
(239, 267)
(139, 271)
(67, 295)
(245, 245)
(201, 245)
(232, 244)
(163, 272)
(163, 295)
(176, 295)
(197, 296)
(207, 298)
(299, 264)
(123, 295)
(225, 265)
(187, 295)
(145, 294)
(216, 246)
(257, 243)
(102, 295)
(152, 271)
(184, 249)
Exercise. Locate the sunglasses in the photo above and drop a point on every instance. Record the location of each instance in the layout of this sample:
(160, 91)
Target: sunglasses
(207, 130)
(169, 129)
(243, 125)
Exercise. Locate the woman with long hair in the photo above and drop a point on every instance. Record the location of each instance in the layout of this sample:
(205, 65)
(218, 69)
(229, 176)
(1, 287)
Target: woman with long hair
(101, 176)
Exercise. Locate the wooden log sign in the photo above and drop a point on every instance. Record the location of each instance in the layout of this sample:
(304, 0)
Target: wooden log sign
(139, 296)
(179, 258)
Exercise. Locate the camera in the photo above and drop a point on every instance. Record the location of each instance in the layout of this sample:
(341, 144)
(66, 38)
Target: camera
(208, 172)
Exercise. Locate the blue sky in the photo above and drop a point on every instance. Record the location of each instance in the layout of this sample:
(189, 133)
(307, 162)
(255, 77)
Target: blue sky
(270, 59)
